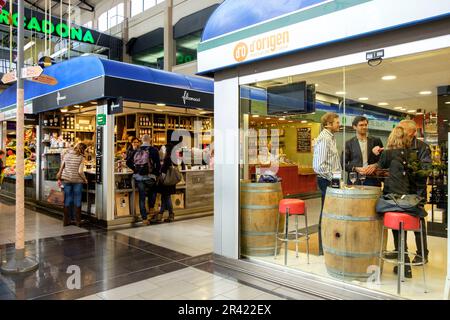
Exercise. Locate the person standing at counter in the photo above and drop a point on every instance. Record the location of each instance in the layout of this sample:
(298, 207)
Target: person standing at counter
(326, 159)
(146, 167)
(71, 176)
(421, 153)
(2, 166)
(362, 152)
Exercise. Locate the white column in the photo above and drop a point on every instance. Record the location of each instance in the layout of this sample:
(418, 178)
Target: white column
(169, 53)
(226, 168)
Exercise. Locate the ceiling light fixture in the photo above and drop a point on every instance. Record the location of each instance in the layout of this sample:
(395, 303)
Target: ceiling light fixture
(383, 104)
(267, 118)
(341, 92)
(425, 93)
(255, 116)
(363, 99)
(390, 77)
(398, 108)
(28, 45)
(281, 119)
(448, 102)
(304, 121)
(161, 104)
(64, 110)
(411, 111)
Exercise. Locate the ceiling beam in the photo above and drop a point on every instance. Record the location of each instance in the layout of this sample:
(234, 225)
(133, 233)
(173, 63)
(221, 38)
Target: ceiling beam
(81, 4)
(33, 4)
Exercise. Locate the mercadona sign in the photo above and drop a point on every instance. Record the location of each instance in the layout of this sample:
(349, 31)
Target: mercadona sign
(47, 27)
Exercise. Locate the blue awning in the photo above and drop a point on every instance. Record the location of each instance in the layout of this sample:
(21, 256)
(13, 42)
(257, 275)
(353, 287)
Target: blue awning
(233, 15)
(78, 71)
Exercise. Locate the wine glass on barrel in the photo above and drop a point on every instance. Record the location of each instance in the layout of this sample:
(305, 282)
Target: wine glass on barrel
(353, 176)
(362, 178)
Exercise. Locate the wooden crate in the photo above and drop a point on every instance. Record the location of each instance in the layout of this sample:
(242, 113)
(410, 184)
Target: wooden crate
(122, 204)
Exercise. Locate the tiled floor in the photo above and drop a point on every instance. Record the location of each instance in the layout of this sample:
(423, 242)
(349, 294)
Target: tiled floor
(37, 225)
(186, 284)
(192, 237)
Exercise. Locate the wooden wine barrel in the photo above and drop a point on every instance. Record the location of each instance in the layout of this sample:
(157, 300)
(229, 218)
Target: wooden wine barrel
(351, 231)
(259, 207)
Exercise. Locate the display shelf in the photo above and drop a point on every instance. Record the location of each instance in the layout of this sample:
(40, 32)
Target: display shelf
(123, 190)
(48, 127)
(145, 127)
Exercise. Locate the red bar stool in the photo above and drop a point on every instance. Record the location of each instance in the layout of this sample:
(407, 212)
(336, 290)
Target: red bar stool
(291, 207)
(402, 222)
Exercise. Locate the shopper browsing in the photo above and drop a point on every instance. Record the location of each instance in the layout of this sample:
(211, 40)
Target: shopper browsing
(326, 159)
(146, 168)
(169, 179)
(362, 152)
(71, 176)
(131, 151)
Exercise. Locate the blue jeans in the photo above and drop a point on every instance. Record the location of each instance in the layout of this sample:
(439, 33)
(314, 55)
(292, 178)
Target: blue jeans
(323, 184)
(72, 196)
(146, 189)
(166, 203)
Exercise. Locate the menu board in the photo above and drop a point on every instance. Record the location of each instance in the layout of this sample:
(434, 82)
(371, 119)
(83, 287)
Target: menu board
(304, 140)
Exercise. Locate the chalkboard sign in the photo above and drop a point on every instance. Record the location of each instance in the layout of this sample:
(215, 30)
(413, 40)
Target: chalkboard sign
(304, 140)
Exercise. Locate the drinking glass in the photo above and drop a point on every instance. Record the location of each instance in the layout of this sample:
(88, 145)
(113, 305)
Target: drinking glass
(353, 177)
(362, 178)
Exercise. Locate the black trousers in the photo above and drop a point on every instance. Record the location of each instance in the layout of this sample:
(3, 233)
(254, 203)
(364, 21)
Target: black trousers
(417, 236)
(323, 184)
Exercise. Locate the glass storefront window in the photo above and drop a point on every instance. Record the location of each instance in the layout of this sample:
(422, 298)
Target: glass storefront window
(187, 47)
(153, 58)
(282, 136)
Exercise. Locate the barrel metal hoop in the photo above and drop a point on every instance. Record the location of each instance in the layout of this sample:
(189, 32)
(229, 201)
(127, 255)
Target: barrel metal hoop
(255, 233)
(349, 218)
(350, 254)
(257, 207)
(260, 185)
(348, 274)
(353, 196)
(261, 191)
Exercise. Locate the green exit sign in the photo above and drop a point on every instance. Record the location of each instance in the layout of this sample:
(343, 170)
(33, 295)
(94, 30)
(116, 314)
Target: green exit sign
(101, 119)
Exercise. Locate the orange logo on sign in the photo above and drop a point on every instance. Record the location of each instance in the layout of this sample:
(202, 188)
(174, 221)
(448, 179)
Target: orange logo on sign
(240, 52)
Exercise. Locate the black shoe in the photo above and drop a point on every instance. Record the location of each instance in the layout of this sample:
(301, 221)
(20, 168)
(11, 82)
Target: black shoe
(408, 272)
(418, 259)
(391, 255)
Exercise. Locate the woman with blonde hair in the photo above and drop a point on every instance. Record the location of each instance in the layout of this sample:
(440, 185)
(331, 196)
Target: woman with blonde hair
(395, 158)
(71, 175)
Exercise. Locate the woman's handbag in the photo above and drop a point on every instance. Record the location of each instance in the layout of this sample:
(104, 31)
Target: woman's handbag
(171, 178)
(407, 203)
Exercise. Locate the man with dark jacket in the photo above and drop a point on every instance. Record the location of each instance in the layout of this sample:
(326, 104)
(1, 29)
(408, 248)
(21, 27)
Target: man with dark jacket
(420, 152)
(363, 151)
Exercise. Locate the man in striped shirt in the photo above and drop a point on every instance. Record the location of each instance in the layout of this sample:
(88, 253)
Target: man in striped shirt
(326, 159)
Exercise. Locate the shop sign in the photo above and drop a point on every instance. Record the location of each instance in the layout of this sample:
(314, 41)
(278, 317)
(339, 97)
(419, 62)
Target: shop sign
(45, 79)
(101, 119)
(35, 24)
(9, 77)
(115, 105)
(310, 27)
(99, 154)
(186, 98)
(31, 72)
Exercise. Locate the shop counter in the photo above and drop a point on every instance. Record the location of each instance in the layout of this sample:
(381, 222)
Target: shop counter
(9, 186)
(294, 179)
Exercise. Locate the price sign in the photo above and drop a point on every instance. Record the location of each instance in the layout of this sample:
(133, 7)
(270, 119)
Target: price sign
(304, 140)
(9, 77)
(31, 72)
